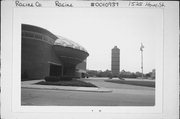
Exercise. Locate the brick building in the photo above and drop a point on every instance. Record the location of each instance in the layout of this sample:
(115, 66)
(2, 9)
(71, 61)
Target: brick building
(115, 61)
(45, 54)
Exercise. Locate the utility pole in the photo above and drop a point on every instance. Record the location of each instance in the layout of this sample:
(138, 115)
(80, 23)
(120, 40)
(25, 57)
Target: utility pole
(141, 49)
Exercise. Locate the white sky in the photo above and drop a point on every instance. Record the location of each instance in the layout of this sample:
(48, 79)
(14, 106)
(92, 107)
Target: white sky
(99, 30)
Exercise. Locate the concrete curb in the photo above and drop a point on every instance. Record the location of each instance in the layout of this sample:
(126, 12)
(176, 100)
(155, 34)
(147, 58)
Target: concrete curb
(68, 88)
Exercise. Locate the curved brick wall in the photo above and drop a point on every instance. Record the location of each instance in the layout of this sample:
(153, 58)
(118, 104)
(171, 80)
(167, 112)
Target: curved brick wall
(36, 56)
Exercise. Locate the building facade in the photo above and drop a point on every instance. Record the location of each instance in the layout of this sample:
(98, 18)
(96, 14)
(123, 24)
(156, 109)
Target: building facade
(45, 54)
(115, 61)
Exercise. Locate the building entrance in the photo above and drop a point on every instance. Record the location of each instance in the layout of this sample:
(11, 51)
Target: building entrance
(55, 70)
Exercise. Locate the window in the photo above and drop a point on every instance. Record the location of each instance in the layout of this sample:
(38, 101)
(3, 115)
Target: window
(28, 34)
(38, 36)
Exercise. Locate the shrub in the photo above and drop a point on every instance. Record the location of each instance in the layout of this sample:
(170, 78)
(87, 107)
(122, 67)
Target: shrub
(74, 82)
(110, 77)
(52, 79)
(58, 78)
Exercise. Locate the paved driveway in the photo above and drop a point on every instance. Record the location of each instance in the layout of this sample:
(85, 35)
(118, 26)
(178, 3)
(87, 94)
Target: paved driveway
(101, 82)
(122, 95)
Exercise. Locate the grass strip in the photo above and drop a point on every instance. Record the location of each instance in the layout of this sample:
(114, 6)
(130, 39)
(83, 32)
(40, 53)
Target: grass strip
(138, 83)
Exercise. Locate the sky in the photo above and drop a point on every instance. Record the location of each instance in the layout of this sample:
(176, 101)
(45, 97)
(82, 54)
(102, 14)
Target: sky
(99, 30)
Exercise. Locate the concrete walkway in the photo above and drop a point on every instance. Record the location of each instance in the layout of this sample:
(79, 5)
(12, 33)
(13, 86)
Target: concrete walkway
(32, 85)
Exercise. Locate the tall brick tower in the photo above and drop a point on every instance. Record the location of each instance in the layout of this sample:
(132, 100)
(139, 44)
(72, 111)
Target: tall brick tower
(115, 61)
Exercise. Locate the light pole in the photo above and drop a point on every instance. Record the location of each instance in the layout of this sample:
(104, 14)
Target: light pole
(141, 49)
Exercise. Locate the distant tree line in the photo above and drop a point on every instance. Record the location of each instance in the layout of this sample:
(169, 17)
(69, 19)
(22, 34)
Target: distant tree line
(122, 74)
